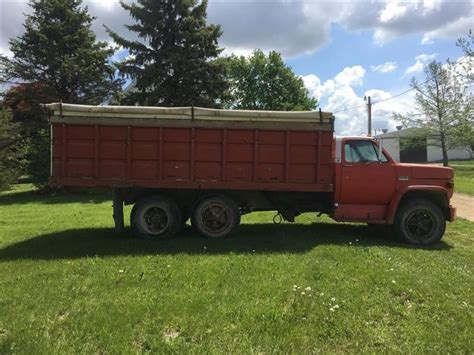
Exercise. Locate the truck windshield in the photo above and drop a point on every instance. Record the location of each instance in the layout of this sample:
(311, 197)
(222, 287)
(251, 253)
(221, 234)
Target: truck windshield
(361, 151)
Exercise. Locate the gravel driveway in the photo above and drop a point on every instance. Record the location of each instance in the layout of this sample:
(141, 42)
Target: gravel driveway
(464, 205)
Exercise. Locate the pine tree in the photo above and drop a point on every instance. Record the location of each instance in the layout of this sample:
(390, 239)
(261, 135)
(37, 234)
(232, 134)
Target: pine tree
(57, 58)
(172, 63)
(59, 50)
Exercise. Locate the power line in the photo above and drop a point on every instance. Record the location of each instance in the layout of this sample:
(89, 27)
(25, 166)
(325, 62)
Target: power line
(349, 109)
(402, 93)
(397, 95)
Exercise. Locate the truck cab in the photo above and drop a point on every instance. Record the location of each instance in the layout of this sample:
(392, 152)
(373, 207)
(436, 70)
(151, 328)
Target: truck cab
(370, 186)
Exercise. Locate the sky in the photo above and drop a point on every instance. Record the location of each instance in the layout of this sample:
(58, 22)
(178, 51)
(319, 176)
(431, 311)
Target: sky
(343, 50)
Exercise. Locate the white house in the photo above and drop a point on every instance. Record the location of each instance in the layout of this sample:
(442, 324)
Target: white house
(393, 142)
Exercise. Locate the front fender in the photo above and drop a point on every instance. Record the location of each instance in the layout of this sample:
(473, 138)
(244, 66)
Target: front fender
(398, 196)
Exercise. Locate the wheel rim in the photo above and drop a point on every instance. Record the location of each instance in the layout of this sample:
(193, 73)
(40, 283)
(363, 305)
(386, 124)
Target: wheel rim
(420, 224)
(154, 220)
(215, 218)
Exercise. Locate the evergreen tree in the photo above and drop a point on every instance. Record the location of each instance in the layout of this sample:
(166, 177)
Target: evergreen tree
(265, 82)
(172, 63)
(24, 102)
(59, 50)
(10, 150)
(57, 58)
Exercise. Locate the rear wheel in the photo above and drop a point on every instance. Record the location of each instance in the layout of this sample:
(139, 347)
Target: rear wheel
(155, 217)
(420, 222)
(216, 216)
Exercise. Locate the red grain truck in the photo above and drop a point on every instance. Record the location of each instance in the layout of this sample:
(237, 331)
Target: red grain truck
(213, 166)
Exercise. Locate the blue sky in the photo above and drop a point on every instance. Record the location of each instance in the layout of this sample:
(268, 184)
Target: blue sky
(343, 50)
(346, 49)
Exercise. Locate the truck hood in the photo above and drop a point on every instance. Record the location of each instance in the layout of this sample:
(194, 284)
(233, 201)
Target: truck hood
(426, 172)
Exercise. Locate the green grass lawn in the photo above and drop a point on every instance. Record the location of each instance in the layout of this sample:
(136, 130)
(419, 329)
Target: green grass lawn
(463, 176)
(70, 285)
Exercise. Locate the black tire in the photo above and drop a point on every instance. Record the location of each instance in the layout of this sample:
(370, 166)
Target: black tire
(216, 216)
(419, 222)
(155, 217)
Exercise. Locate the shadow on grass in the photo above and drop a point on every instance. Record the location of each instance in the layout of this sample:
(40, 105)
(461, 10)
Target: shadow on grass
(251, 238)
(56, 197)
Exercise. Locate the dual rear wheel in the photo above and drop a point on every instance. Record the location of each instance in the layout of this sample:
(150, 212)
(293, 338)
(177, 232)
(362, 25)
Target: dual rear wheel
(158, 217)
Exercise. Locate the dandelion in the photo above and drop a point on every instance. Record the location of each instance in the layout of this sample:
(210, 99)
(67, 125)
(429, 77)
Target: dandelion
(308, 288)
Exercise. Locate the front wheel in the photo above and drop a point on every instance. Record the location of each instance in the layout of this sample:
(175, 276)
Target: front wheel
(155, 217)
(420, 222)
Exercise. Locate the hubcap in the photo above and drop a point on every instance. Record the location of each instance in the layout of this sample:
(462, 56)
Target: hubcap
(216, 218)
(155, 220)
(420, 224)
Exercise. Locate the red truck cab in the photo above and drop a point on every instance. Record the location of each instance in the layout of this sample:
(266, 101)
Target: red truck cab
(372, 187)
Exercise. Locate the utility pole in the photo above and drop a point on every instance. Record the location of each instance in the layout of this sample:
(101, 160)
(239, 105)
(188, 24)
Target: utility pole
(369, 118)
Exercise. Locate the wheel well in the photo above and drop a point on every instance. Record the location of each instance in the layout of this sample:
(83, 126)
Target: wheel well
(439, 198)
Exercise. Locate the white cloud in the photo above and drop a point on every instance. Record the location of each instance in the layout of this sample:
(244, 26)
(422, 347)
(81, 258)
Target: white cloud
(427, 39)
(420, 62)
(393, 10)
(291, 27)
(338, 96)
(350, 76)
(393, 19)
(386, 67)
(315, 88)
(451, 30)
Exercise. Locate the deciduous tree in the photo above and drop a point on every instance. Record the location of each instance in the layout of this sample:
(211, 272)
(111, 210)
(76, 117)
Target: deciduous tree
(443, 107)
(265, 82)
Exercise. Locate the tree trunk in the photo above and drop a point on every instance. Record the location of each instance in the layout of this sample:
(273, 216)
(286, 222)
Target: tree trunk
(444, 150)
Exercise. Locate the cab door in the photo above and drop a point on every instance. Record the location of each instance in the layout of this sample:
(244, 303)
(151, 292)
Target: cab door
(364, 179)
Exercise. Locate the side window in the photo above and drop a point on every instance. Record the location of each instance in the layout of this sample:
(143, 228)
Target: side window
(361, 151)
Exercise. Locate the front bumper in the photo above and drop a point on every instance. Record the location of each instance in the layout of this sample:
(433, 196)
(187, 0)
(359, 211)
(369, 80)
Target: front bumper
(452, 213)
